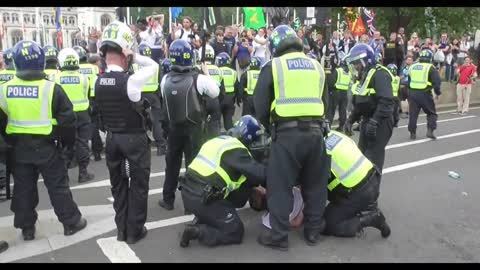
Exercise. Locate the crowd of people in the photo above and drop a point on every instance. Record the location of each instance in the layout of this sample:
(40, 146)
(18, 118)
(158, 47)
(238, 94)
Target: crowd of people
(143, 86)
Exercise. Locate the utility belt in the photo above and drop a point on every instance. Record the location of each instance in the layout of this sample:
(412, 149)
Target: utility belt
(342, 191)
(200, 188)
(304, 124)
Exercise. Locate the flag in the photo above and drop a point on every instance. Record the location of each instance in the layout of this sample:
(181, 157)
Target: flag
(176, 12)
(211, 16)
(58, 23)
(370, 15)
(355, 22)
(254, 17)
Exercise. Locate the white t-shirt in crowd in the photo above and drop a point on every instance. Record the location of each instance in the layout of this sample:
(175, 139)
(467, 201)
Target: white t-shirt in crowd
(297, 208)
(154, 39)
(259, 49)
(463, 46)
(185, 35)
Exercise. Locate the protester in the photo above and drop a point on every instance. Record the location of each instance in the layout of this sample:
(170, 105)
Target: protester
(467, 74)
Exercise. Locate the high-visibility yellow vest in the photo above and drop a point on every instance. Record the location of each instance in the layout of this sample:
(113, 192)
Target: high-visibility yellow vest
(92, 87)
(349, 165)
(396, 85)
(229, 77)
(354, 87)
(75, 86)
(208, 160)
(343, 79)
(363, 90)
(92, 71)
(6, 75)
(215, 73)
(51, 74)
(152, 84)
(28, 105)
(252, 78)
(418, 73)
(298, 83)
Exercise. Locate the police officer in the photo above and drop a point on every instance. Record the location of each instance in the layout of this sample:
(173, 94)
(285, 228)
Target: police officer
(33, 111)
(97, 144)
(122, 113)
(338, 84)
(219, 180)
(247, 84)
(92, 71)
(422, 77)
(183, 90)
(51, 61)
(353, 190)
(150, 92)
(9, 72)
(214, 112)
(373, 102)
(227, 99)
(76, 86)
(395, 87)
(290, 92)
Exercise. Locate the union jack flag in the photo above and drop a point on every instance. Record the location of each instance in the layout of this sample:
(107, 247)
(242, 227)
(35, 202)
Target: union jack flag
(370, 20)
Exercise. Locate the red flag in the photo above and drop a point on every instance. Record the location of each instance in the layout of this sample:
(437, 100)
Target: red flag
(359, 28)
(59, 39)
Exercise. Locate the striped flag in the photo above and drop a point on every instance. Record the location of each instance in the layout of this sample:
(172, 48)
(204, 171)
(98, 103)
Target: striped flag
(211, 16)
(370, 15)
(58, 22)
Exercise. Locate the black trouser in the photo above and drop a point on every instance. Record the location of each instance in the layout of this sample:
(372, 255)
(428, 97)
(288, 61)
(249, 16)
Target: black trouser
(156, 117)
(215, 114)
(81, 151)
(130, 199)
(183, 139)
(374, 148)
(396, 111)
(341, 214)
(227, 107)
(248, 107)
(218, 221)
(418, 99)
(297, 156)
(48, 161)
(97, 144)
(338, 99)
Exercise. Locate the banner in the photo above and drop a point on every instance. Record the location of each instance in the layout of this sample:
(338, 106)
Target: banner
(355, 22)
(254, 17)
(211, 16)
(176, 12)
(370, 15)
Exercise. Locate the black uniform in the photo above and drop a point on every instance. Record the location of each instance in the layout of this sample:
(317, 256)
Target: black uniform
(34, 154)
(297, 154)
(97, 144)
(227, 106)
(218, 221)
(378, 107)
(423, 99)
(185, 110)
(337, 98)
(247, 99)
(125, 124)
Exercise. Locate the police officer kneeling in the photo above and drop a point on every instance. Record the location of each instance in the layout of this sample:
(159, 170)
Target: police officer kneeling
(37, 109)
(218, 181)
(289, 91)
(122, 113)
(353, 190)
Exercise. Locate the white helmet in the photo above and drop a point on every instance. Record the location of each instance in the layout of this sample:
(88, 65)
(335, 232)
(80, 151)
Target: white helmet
(118, 36)
(68, 57)
(209, 53)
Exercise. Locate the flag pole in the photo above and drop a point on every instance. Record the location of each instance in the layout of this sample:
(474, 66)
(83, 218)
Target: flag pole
(128, 16)
(238, 12)
(169, 19)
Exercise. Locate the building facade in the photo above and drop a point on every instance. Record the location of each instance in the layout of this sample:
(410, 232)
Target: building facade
(38, 23)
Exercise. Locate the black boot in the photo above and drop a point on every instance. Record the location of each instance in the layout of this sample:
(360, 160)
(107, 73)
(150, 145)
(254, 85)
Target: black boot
(265, 239)
(191, 232)
(430, 134)
(375, 219)
(28, 233)
(3, 246)
(165, 205)
(72, 229)
(97, 156)
(84, 175)
(161, 150)
(134, 239)
(413, 135)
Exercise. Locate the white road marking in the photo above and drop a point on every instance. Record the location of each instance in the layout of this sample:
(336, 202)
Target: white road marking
(106, 182)
(150, 192)
(398, 145)
(116, 251)
(444, 120)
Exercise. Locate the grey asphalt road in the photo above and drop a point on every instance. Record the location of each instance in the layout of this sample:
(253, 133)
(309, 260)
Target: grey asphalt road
(433, 217)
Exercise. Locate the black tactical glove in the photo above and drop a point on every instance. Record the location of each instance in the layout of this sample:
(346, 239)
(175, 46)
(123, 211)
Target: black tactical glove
(325, 127)
(371, 128)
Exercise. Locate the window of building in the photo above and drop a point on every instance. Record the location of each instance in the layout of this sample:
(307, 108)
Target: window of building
(105, 20)
(64, 20)
(26, 19)
(34, 19)
(15, 18)
(6, 17)
(17, 35)
(71, 20)
(76, 38)
(46, 19)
